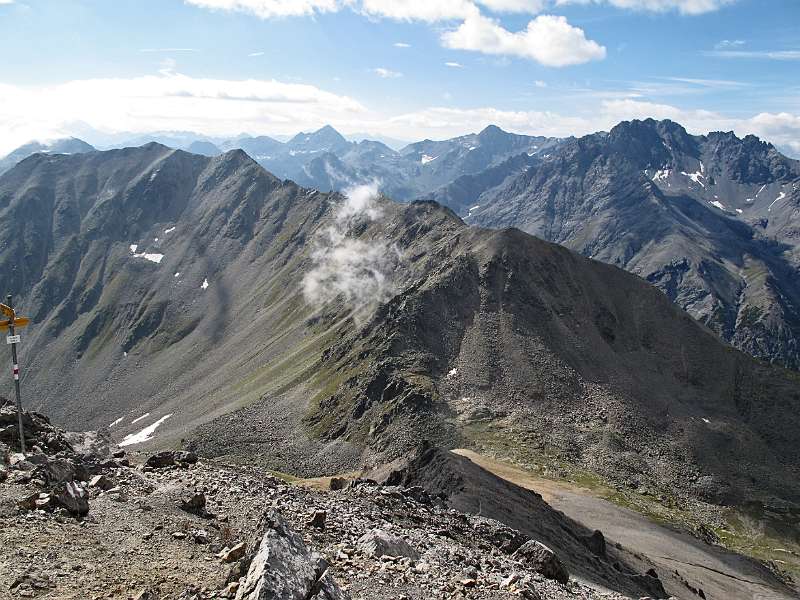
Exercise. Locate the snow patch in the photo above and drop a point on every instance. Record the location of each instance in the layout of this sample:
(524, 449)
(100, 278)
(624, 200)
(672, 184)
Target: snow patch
(781, 196)
(426, 159)
(170, 230)
(151, 256)
(116, 422)
(696, 177)
(718, 204)
(706, 420)
(739, 210)
(661, 175)
(452, 373)
(205, 285)
(177, 274)
(145, 434)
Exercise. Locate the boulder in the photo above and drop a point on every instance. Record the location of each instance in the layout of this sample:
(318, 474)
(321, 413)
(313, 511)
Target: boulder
(56, 470)
(596, 543)
(337, 483)
(168, 458)
(651, 583)
(161, 460)
(284, 568)
(417, 493)
(230, 555)
(544, 561)
(317, 520)
(504, 538)
(195, 504)
(101, 482)
(185, 458)
(73, 497)
(379, 543)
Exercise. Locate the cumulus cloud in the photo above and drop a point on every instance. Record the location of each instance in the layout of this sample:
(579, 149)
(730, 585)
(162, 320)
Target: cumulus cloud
(782, 129)
(687, 7)
(548, 40)
(345, 268)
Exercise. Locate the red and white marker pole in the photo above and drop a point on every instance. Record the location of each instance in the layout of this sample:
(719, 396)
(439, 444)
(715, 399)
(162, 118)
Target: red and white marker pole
(16, 378)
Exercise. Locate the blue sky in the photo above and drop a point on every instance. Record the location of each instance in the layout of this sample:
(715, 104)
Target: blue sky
(405, 69)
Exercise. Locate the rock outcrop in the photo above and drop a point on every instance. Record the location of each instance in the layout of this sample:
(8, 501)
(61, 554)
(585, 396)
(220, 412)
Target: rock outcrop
(284, 568)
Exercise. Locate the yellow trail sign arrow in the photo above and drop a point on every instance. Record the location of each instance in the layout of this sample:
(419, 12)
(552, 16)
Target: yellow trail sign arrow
(18, 322)
(7, 311)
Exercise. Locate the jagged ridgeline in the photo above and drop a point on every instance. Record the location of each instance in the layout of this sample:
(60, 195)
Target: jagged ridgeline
(312, 332)
(711, 220)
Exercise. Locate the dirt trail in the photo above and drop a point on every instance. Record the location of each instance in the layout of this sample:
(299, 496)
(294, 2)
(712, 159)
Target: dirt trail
(722, 575)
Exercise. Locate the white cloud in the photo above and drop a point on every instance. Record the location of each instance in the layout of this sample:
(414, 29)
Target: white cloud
(401, 45)
(540, 84)
(228, 107)
(520, 6)
(267, 9)
(686, 7)
(782, 129)
(709, 83)
(759, 54)
(453, 65)
(6, 1)
(724, 44)
(386, 73)
(356, 271)
(254, 54)
(165, 102)
(548, 40)
(418, 10)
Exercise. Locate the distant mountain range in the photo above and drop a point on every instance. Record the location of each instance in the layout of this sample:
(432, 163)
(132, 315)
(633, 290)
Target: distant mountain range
(62, 146)
(202, 298)
(710, 220)
(713, 221)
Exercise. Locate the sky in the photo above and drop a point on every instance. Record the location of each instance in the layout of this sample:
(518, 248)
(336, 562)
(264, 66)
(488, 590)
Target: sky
(403, 69)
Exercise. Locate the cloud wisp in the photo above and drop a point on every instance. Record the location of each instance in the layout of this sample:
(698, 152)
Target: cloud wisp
(355, 271)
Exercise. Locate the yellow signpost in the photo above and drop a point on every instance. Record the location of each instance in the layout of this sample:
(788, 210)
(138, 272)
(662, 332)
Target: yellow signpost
(10, 324)
(18, 322)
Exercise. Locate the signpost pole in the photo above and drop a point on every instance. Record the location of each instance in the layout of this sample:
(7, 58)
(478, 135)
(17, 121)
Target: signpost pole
(16, 378)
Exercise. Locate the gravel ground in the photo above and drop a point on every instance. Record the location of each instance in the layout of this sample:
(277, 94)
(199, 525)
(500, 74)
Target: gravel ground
(137, 539)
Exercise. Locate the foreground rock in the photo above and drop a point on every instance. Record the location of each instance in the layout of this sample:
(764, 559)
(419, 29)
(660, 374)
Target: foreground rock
(379, 543)
(542, 560)
(284, 568)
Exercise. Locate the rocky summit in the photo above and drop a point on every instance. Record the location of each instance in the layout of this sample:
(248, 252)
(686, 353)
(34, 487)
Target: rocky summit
(710, 220)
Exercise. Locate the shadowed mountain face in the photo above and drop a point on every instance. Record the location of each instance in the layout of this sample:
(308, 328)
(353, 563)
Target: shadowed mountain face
(710, 220)
(261, 319)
